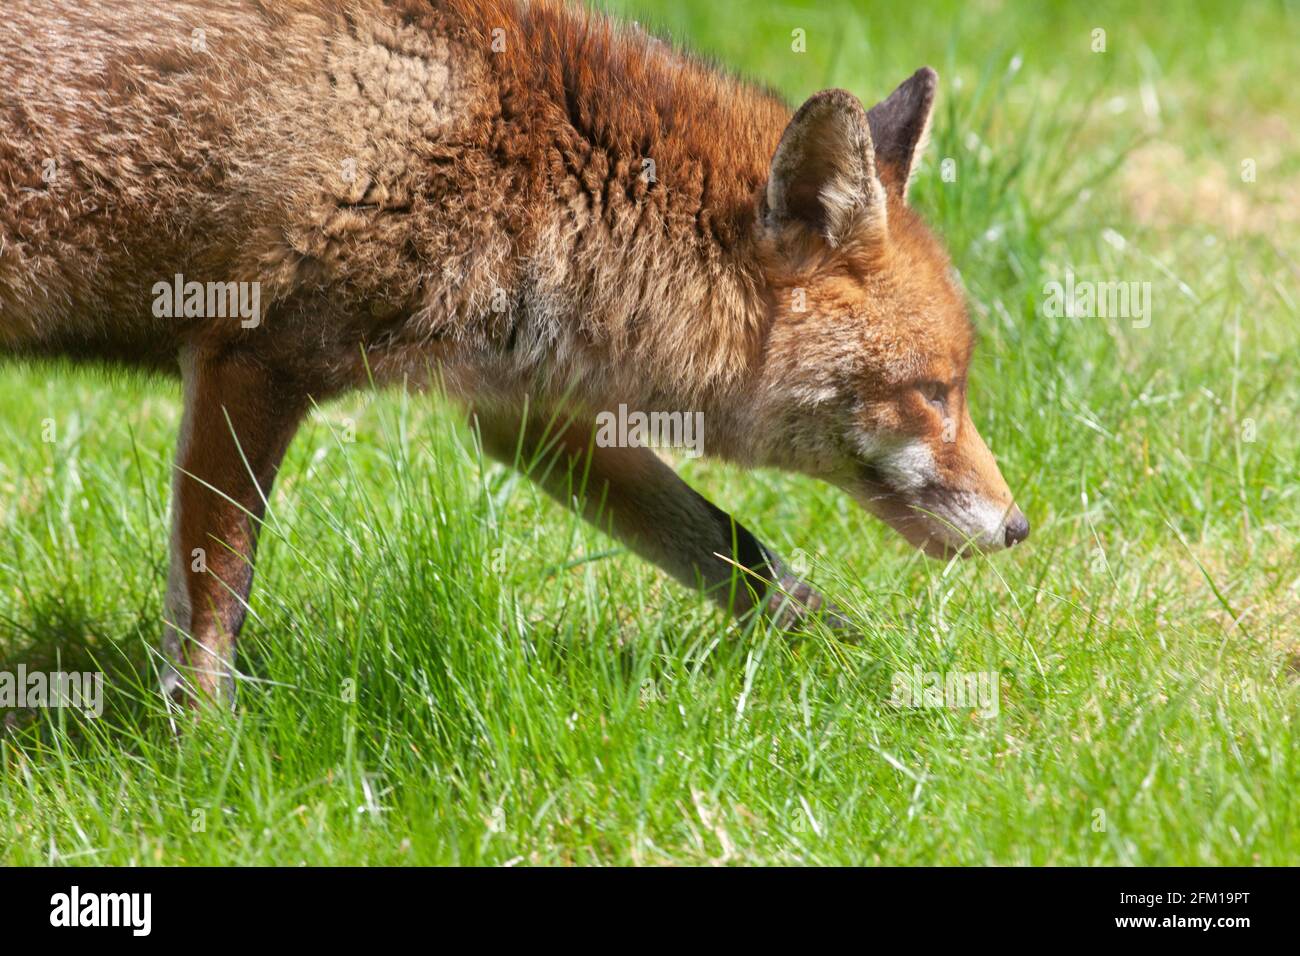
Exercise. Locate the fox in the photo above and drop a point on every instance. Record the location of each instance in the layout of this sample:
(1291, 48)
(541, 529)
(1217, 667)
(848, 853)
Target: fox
(544, 212)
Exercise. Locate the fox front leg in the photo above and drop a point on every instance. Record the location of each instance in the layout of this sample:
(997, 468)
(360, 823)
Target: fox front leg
(633, 494)
(238, 421)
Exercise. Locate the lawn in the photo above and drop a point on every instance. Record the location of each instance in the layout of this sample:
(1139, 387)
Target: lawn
(445, 667)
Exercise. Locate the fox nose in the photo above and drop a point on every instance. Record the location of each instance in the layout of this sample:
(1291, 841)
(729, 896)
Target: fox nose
(1017, 526)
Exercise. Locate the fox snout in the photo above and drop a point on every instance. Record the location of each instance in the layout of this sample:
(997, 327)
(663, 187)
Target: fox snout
(946, 522)
(950, 502)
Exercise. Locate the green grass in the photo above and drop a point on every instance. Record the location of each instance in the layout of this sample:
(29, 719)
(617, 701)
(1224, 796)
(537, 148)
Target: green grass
(444, 667)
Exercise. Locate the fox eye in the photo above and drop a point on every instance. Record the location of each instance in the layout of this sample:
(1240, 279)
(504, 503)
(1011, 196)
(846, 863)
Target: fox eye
(936, 393)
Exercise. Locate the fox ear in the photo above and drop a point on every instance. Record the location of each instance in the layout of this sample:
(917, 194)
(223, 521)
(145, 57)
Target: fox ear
(823, 175)
(900, 125)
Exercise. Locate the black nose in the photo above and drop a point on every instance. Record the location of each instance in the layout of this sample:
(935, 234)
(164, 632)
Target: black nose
(1017, 527)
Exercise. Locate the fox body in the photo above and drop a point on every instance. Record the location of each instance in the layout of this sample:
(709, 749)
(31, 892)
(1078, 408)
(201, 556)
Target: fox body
(551, 215)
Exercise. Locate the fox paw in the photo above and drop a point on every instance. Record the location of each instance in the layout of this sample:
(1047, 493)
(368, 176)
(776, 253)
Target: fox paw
(792, 603)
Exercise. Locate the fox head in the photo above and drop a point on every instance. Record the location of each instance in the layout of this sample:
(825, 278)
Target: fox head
(864, 377)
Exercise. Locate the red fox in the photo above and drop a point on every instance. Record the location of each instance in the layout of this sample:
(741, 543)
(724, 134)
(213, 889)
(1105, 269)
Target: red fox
(552, 215)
